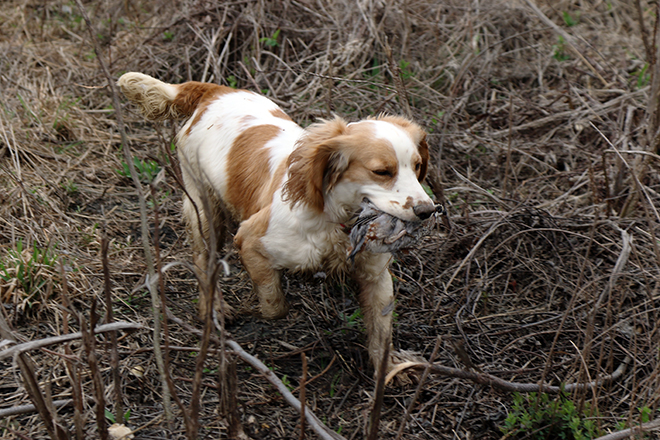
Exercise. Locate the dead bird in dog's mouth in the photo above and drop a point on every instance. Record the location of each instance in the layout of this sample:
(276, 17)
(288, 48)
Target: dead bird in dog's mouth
(377, 231)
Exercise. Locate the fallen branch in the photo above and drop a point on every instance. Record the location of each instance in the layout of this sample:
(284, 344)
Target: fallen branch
(317, 425)
(30, 408)
(496, 382)
(635, 430)
(42, 404)
(33, 345)
(323, 431)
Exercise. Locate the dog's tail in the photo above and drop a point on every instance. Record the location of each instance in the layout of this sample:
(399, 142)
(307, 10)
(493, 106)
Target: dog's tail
(158, 100)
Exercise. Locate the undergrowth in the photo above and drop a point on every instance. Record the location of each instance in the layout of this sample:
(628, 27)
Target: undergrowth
(537, 416)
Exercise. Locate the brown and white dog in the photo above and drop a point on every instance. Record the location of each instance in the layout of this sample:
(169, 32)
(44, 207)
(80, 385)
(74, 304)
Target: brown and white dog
(291, 188)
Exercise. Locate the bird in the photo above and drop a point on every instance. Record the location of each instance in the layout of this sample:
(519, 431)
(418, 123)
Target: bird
(377, 231)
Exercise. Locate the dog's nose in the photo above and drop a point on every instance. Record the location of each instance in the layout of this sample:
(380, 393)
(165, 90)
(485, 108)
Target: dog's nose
(424, 211)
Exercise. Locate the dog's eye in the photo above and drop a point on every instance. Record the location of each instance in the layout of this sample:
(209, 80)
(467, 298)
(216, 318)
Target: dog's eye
(383, 173)
(418, 166)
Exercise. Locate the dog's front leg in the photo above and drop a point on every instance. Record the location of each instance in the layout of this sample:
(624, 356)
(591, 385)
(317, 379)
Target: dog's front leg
(266, 279)
(377, 303)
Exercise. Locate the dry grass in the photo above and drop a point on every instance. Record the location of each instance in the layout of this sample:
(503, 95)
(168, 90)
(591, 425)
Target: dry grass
(540, 150)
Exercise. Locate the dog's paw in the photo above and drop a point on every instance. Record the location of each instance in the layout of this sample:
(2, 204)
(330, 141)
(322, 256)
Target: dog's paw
(218, 307)
(274, 310)
(229, 311)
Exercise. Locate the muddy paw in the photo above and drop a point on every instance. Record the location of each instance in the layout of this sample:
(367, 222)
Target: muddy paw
(274, 310)
(228, 310)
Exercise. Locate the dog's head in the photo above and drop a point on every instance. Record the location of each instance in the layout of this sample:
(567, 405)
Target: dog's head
(336, 165)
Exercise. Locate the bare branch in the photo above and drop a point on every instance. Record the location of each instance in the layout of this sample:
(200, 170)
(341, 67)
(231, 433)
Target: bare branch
(39, 343)
(496, 382)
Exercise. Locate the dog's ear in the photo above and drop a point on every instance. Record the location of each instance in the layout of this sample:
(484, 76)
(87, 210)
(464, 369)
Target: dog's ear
(423, 149)
(316, 165)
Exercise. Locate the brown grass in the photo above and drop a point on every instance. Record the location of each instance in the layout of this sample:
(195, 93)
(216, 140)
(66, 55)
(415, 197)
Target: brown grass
(540, 148)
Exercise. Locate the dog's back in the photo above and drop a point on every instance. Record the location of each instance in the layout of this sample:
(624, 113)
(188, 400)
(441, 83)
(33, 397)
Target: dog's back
(235, 142)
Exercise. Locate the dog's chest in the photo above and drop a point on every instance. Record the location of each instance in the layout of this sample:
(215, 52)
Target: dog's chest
(303, 246)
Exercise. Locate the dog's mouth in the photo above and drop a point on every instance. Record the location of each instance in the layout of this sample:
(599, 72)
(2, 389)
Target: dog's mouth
(376, 231)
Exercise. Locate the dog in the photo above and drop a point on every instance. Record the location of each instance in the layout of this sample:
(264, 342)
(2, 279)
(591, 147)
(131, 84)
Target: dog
(293, 190)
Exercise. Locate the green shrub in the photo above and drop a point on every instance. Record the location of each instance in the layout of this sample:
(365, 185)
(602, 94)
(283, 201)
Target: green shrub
(147, 170)
(26, 271)
(535, 416)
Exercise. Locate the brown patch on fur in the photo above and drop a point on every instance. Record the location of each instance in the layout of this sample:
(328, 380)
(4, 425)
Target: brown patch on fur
(192, 93)
(423, 149)
(248, 176)
(379, 156)
(196, 96)
(418, 135)
(410, 203)
(279, 113)
(276, 180)
(245, 120)
(272, 303)
(317, 161)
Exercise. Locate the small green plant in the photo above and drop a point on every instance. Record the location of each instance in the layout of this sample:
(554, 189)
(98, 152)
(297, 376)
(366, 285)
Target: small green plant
(111, 417)
(428, 190)
(642, 75)
(147, 169)
(435, 120)
(645, 414)
(168, 36)
(88, 234)
(27, 269)
(334, 384)
(272, 40)
(161, 199)
(62, 113)
(571, 20)
(27, 109)
(232, 81)
(353, 320)
(68, 147)
(70, 187)
(559, 50)
(287, 382)
(535, 416)
(404, 68)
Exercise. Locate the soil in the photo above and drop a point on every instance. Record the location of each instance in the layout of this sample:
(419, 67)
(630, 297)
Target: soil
(540, 120)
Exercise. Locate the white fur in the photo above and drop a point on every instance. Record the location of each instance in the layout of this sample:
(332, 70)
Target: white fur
(153, 96)
(302, 229)
(406, 186)
(212, 137)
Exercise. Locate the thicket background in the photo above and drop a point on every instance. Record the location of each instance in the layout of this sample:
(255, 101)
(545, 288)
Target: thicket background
(543, 135)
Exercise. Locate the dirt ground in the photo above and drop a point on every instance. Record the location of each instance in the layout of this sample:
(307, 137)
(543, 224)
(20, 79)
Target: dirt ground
(540, 123)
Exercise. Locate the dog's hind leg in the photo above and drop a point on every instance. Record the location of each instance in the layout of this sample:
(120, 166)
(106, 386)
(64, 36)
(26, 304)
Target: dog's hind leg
(199, 228)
